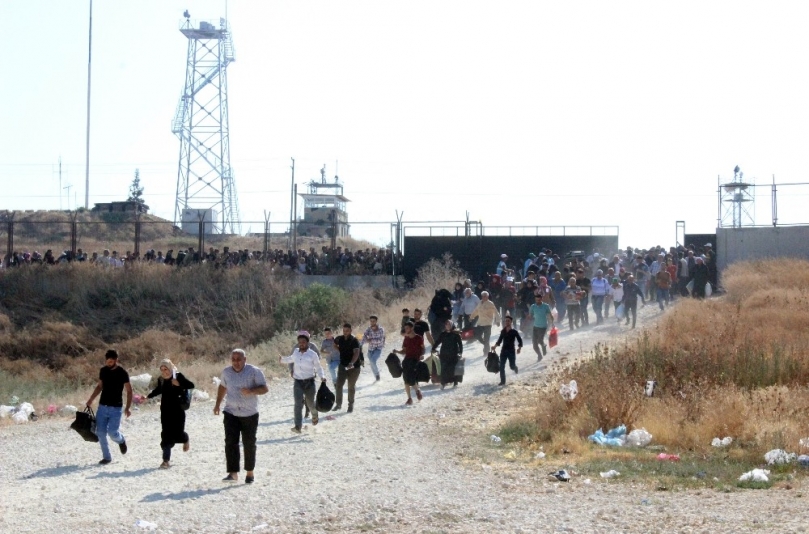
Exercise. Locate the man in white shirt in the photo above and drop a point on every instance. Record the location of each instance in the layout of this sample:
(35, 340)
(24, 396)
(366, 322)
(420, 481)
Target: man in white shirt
(242, 383)
(305, 365)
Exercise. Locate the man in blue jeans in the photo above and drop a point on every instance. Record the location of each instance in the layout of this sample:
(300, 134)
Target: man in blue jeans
(375, 337)
(112, 379)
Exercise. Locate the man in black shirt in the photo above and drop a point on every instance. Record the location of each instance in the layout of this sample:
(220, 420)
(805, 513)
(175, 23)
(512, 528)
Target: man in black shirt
(112, 379)
(421, 327)
(508, 336)
(349, 370)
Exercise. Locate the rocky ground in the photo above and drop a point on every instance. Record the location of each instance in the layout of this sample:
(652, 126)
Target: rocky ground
(384, 468)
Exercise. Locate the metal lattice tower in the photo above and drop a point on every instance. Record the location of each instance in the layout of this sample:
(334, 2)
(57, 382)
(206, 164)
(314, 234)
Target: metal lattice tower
(205, 184)
(736, 202)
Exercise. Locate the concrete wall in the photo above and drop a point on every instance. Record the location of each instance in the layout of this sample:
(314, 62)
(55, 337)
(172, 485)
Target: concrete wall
(739, 244)
(348, 281)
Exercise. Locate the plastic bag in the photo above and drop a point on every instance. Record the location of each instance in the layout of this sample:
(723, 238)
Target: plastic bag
(756, 475)
(708, 289)
(325, 398)
(569, 391)
(724, 442)
(554, 314)
(780, 457)
(638, 438)
(553, 337)
(140, 381)
(690, 286)
(620, 312)
(616, 437)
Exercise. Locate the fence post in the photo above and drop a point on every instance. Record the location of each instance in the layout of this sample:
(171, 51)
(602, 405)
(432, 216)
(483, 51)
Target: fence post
(10, 245)
(74, 234)
(137, 233)
(201, 240)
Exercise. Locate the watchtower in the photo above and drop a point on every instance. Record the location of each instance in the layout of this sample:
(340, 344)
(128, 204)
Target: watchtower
(736, 202)
(324, 209)
(205, 186)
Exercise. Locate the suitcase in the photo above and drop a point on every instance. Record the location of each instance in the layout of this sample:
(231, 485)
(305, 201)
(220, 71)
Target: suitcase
(493, 363)
(394, 365)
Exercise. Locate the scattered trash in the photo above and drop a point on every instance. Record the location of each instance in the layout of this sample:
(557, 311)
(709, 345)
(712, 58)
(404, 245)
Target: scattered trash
(200, 395)
(671, 457)
(15, 400)
(510, 455)
(756, 475)
(569, 391)
(215, 381)
(612, 473)
(804, 442)
(27, 408)
(148, 525)
(651, 385)
(68, 409)
(139, 399)
(561, 475)
(260, 527)
(645, 502)
(540, 455)
(20, 418)
(803, 460)
(330, 418)
(140, 381)
(616, 437)
(495, 439)
(701, 474)
(51, 409)
(780, 457)
(587, 481)
(638, 438)
(724, 442)
(6, 411)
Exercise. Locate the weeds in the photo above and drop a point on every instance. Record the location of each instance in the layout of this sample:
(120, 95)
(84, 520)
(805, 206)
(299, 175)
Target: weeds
(732, 366)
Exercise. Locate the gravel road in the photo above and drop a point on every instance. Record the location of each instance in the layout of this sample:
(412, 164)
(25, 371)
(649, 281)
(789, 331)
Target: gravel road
(384, 468)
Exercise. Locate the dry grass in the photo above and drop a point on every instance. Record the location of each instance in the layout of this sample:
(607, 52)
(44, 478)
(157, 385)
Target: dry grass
(731, 366)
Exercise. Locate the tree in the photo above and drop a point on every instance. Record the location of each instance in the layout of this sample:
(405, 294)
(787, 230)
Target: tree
(136, 190)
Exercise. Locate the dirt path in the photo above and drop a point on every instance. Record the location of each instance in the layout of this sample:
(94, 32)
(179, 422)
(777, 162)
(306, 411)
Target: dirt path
(384, 468)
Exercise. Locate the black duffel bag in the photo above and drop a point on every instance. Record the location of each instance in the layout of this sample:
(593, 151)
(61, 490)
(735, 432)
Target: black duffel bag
(394, 365)
(493, 362)
(324, 399)
(85, 425)
(422, 372)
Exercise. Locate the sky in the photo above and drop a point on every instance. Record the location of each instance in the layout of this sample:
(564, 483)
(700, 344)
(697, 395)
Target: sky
(521, 113)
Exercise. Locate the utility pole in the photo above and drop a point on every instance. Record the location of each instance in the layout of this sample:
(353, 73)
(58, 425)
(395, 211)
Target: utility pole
(87, 153)
(60, 183)
(291, 204)
(68, 195)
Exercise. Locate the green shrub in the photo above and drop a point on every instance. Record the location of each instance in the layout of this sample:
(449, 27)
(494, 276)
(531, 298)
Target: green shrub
(312, 308)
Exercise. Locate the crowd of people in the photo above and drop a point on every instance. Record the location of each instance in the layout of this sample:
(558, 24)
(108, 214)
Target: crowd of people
(371, 261)
(549, 290)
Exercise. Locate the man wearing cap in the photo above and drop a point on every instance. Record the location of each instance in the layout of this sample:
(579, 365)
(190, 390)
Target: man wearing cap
(502, 267)
(306, 365)
(112, 380)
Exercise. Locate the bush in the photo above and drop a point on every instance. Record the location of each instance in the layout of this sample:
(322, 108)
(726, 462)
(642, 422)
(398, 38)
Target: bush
(312, 308)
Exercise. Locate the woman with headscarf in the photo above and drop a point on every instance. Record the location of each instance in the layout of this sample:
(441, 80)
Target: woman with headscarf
(172, 385)
(450, 351)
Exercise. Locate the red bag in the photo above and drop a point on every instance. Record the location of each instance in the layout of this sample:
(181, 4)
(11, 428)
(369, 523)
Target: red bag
(553, 337)
(468, 334)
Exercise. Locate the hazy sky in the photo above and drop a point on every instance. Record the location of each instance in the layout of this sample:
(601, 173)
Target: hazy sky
(522, 112)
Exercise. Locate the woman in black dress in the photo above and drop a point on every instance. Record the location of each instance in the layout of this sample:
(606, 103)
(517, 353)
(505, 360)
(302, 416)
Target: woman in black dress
(450, 351)
(171, 385)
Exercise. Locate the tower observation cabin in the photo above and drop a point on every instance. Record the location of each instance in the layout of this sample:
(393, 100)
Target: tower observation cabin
(324, 209)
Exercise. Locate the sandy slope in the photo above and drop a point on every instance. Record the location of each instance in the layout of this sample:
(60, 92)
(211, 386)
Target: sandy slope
(384, 468)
